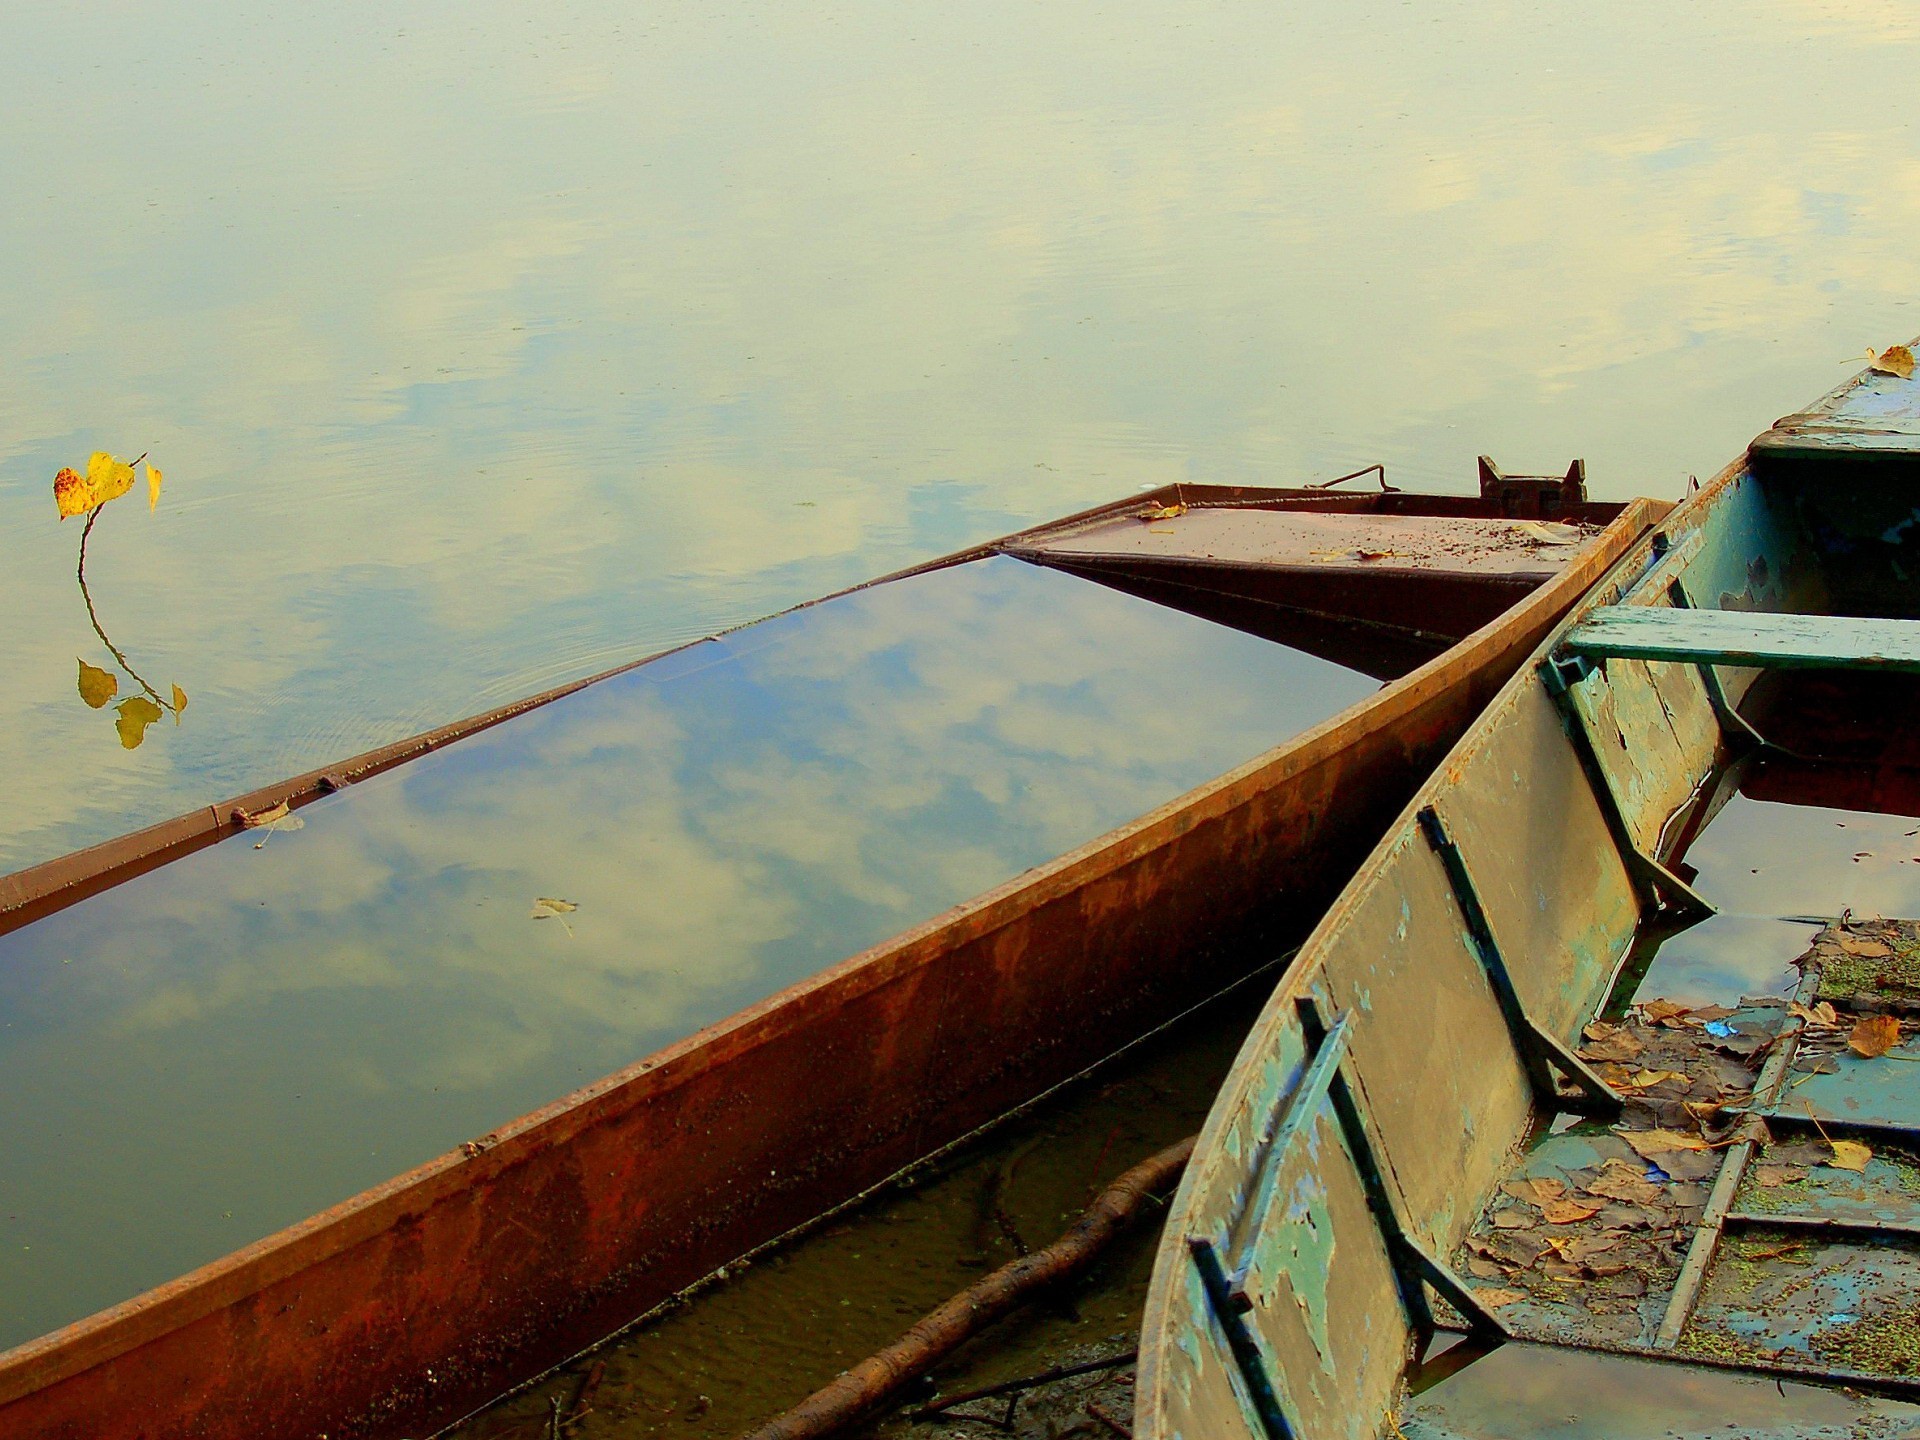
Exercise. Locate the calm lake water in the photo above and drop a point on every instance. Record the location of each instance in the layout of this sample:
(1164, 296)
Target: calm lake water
(237, 1040)
(486, 345)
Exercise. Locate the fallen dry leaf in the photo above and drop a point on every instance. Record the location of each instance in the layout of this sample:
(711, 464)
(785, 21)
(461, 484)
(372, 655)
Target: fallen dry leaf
(1894, 360)
(1822, 1014)
(1626, 1183)
(1494, 1297)
(1609, 1042)
(1165, 512)
(1772, 1177)
(1874, 1035)
(1647, 1079)
(1863, 946)
(1659, 1012)
(1569, 1212)
(1849, 1155)
(1649, 1143)
(97, 686)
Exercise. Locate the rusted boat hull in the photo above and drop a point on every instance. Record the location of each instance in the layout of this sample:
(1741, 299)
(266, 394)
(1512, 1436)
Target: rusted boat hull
(399, 1310)
(1406, 1097)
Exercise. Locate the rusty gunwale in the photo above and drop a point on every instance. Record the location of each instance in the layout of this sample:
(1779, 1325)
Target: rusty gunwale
(205, 1353)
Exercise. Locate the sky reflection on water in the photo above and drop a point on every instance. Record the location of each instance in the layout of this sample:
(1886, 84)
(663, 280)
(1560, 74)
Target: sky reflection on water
(232, 1042)
(487, 346)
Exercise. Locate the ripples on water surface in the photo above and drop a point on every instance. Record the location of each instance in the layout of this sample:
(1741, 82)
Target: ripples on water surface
(487, 345)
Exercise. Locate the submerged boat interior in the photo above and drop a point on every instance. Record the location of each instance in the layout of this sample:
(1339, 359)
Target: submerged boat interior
(622, 916)
(1587, 1109)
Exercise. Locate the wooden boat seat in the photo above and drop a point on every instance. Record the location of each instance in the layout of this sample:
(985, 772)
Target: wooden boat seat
(1761, 639)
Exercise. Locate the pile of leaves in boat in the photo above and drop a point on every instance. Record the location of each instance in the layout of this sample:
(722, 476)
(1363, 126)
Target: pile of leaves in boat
(1604, 1213)
(1585, 1240)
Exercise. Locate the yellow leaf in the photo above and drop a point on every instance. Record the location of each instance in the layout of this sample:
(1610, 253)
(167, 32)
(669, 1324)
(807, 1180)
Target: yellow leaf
(70, 493)
(1894, 360)
(1651, 1143)
(97, 686)
(136, 713)
(107, 477)
(179, 703)
(1165, 512)
(1850, 1155)
(1874, 1035)
(153, 486)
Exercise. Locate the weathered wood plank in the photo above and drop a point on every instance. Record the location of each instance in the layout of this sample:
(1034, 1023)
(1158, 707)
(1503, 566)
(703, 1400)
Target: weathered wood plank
(1765, 640)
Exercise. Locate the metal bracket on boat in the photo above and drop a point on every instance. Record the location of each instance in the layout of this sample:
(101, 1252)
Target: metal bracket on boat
(1231, 1315)
(1732, 722)
(1324, 1080)
(1659, 887)
(1540, 1051)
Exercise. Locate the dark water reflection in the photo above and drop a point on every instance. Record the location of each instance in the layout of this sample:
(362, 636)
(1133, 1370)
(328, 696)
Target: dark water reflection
(230, 1043)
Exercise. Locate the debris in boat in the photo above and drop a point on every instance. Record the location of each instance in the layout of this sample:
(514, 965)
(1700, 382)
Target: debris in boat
(1550, 532)
(1868, 965)
(546, 907)
(1164, 512)
(1894, 360)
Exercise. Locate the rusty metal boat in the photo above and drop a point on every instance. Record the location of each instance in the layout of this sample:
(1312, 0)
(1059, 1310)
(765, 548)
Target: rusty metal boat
(251, 1086)
(1580, 1112)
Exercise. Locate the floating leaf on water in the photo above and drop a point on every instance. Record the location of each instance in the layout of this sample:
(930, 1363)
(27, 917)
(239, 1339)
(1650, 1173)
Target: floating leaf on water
(136, 713)
(1874, 1035)
(546, 907)
(97, 686)
(153, 486)
(1894, 360)
(1850, 1155)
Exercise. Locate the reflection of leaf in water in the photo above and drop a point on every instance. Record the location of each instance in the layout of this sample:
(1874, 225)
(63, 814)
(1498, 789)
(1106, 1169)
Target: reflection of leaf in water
(136, 712)
(97, 686)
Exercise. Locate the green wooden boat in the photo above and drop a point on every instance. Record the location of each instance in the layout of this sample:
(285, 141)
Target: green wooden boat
(1581, 1113)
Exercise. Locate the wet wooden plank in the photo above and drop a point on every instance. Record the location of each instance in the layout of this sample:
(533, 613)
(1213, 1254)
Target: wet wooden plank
(1764, 640)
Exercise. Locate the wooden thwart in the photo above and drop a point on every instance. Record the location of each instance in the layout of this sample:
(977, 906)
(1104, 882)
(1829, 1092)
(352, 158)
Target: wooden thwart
(1740, 637)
